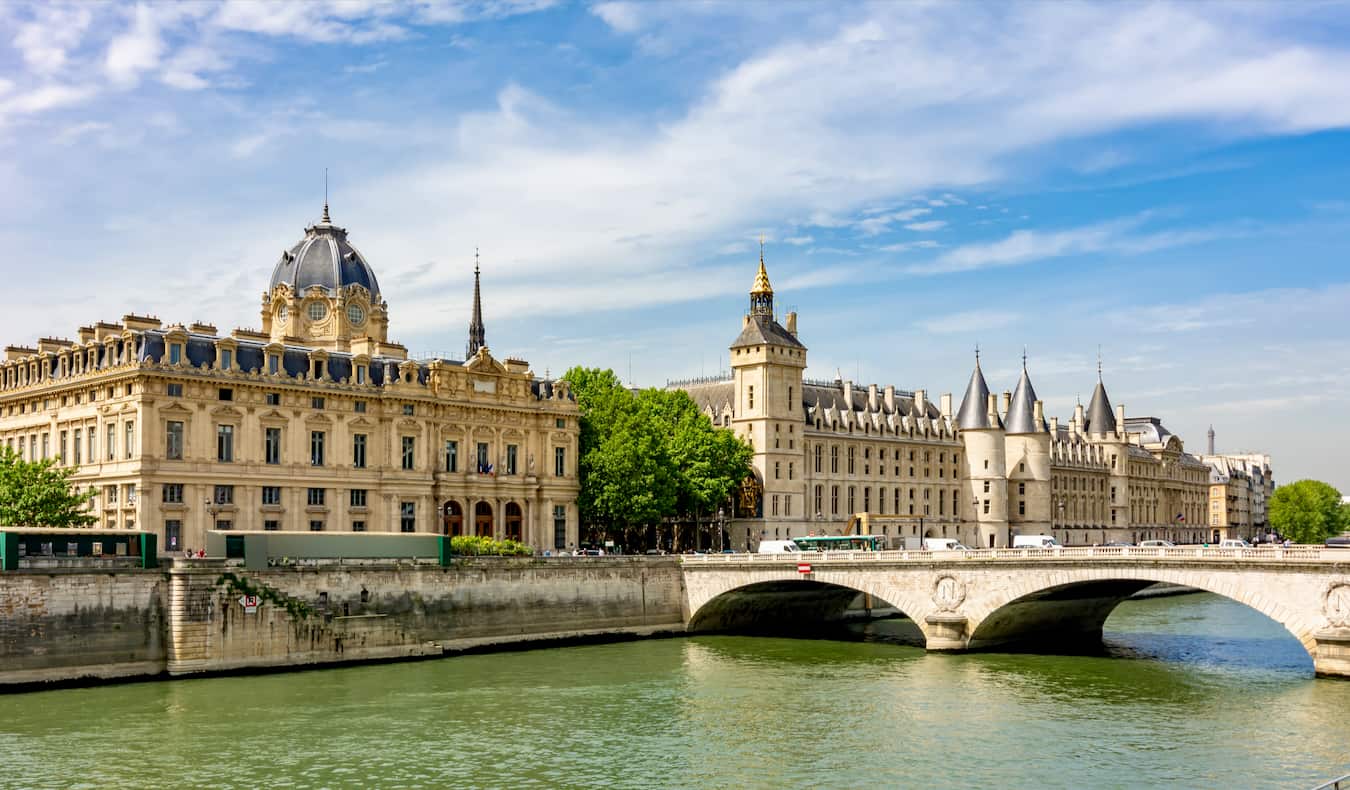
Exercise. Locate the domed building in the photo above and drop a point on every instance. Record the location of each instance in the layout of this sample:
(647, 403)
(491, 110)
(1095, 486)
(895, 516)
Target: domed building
(315, 422)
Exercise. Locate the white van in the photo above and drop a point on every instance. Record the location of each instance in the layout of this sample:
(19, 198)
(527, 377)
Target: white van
(1034, 542)
(1234, 543)
(777, 546)
(942, 544)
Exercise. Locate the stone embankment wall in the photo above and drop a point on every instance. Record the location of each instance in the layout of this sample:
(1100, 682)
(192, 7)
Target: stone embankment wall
(189, 619)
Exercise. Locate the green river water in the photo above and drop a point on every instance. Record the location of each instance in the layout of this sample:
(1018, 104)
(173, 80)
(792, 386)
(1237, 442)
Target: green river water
(1196, 691)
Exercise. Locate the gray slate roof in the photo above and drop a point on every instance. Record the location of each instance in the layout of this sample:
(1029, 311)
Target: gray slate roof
(325, 258)
(1022, 408)
(974, 413)
(1100, 418)
(762, 330)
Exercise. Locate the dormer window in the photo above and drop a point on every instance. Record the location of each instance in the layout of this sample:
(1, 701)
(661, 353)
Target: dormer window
(360, 374)
(175, 353)
(273, 363)
(226, 359)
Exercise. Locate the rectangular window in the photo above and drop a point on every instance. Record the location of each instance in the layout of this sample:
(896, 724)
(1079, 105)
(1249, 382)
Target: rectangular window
(358, 526)
(559, 461)
(787, 505)
(790, 467)
(452, 456)
(273, 398)
(834, 500)
(173, 440)
(174, 390)
(316, 402)
(775, 504)
(1021, 508)
(172, 493)
(851, 501)
(776, 468)
(173, 534)
(271, 525)
(559, 526)
(408, 410)
(986, 486)
(225, 394)
(226, 359)
(750, 397)
(271, 495)
(112, 442)
(986, 506)
(358, 497)
(484, 465)
(272, 446)
(316, 526)
(224, 495)
(359, 450)
(316, 442)
(273, 363)
(61, 447)
(131, 437)
(225, 443)
(510, 459)
(175, 353)
(359, 407)
(407, 516)
(76, 453)
(1021, 489)
(360, 374)
(110, 495)
(224, 524)
(409, 453)
(315, 497)
(560, 422)
(92, 452)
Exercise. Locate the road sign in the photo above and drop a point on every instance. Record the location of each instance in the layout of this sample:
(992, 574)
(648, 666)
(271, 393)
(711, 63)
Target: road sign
(803, 567)
(249, 602)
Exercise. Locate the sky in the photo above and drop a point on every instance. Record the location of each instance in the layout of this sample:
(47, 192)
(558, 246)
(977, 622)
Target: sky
(1164, 184)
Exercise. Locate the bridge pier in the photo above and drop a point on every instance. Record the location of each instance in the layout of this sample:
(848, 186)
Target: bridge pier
(947, 632)
(1332, 659)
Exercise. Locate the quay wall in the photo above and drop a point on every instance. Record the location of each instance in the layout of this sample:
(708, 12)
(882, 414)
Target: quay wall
(189, 619)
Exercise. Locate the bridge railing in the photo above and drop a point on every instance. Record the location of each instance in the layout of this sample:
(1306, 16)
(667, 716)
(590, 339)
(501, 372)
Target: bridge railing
(1133, 553)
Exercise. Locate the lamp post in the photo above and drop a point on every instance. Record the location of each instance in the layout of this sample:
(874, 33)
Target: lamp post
(1061, 519)
(721, 527)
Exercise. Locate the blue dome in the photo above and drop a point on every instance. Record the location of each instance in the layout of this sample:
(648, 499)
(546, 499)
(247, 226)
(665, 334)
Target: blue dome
(325, 258)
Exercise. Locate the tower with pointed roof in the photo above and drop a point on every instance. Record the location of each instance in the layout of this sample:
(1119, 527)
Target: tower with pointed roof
(767, 361)
(1105, 427)
(1027, 454)
(477, 334)
(985, 496)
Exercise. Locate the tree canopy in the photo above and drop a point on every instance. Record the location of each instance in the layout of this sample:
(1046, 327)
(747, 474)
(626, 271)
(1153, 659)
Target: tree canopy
(649, 455)
(1308, 511)
(37, 494)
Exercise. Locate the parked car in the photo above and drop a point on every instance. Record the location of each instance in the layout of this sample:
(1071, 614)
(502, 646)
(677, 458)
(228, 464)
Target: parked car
(1339, 542)
(1117, 543)
(1234, 543)
(1156, 544)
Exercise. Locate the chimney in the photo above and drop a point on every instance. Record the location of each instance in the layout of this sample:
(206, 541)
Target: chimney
(993, 410)
(792, 323)
(1007, 402)
(1038, 413)
(1120, 417)
(947, 405)
(1078, 418)
(1054, 427)
(921, 402)
(890, 397)
(745, 320)
(848, 394)
(871, 397)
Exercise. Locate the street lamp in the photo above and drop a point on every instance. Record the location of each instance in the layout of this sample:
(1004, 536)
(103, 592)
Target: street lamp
(721, 527)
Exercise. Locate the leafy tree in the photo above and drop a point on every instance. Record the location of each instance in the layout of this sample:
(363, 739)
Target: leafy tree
(37, 494)
(648, 456)
(1308, 511)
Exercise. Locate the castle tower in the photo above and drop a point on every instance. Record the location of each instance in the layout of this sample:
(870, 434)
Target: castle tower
(984, 500)
(1027, 453)
(767, 362)
(1105, 428)
(476, 331)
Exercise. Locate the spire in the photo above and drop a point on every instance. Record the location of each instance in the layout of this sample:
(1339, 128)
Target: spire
(761, 293)
(974, 413)
(1211, 440)
(326, 220)
(1100, 418)
(476, 330)
(1021, 416)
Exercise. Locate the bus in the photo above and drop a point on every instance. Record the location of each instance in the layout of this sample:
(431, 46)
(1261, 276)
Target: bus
(841, 543)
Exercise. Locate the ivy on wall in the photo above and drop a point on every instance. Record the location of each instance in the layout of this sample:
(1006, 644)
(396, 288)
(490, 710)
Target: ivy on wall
(241, 585)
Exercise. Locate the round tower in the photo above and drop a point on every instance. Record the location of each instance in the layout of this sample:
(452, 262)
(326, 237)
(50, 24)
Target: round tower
(984, 504)
(1030, 509)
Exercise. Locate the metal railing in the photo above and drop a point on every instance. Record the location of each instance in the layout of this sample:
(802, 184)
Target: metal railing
(1336, 784)
(1191, 553)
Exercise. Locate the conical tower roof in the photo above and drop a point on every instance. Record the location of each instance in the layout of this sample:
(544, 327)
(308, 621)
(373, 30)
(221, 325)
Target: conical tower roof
(974, 413)
(761, 285)
(1100, 417)
(1021, 416)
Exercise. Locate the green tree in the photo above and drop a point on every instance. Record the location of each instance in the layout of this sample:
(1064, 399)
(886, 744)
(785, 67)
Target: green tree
(37, 494)
(1308, 511)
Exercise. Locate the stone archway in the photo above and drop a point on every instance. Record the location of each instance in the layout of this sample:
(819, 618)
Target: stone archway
(452, 518)
(482, 520)
(515, 522)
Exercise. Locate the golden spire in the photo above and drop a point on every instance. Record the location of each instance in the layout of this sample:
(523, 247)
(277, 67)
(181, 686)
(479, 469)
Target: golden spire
(762, 277)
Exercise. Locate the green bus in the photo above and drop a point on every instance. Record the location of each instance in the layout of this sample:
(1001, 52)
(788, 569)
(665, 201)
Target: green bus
(841, 543)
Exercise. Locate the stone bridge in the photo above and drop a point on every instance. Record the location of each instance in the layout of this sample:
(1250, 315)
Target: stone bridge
(1021, 598)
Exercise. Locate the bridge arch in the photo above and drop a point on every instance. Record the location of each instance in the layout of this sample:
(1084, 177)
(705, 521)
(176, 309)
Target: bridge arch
(1074, 606)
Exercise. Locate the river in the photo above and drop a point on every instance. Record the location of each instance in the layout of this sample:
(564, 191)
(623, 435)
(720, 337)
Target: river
(1194, 691)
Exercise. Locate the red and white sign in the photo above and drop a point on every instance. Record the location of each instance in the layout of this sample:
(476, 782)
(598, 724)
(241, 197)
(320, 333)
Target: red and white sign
(803, 567)
(249, 602)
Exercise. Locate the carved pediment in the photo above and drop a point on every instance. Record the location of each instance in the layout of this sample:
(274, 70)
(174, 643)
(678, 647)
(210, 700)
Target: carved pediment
(361, 422)
(175, 408)
(483, 362)
(226, 412)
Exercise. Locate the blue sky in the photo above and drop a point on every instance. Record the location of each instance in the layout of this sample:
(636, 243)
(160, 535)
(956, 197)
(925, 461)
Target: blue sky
(1167, 181)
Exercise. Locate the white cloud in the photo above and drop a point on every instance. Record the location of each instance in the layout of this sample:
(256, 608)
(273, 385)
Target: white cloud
(621, 16)
(46, 40)
(969, 321)
(798, 241)
(933, 224)
(48, 97)
(135, 51)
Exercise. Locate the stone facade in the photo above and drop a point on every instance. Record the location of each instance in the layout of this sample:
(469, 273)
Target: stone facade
(827, 451)
(1239, 486)
(318, 421)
